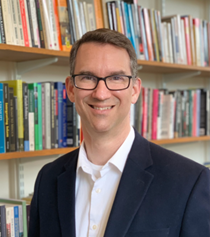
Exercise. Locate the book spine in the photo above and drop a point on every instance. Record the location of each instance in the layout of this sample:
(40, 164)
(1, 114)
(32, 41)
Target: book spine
(64, 24)
(30, 22)
(198, 111)
(56, 114)
(53, 130)
(202, 127)
(194, 113)
(12, 120)
(24, 23)
(31, 119)
(69, 121)
(60, 114)
(39, 88)
(40, 24)
(36, 125)
(91, 15)
(47, 116)
(154, 114)
(17, 145)
(64, 122)
(77, 20)
(196, 31)
(25, 115)
(187, 40)
(2, 31)
(20, 221)
(3, 221)
(98, 14)
(2, 137)
(208, 35)
(16, 221)
(43, 117)
(130, 15)
(6, 116)
(72, 29)
(55, 8)
(190, 112)
(14, 14)
(19, 22)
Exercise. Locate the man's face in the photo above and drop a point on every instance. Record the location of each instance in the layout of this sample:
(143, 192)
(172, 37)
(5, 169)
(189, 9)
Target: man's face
(102, 110)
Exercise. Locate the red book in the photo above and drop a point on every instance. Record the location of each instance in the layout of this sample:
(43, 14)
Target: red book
(187, 40)
(24, 23)
(144, 114)
(194, 121)
(57, 25)
(154, 113)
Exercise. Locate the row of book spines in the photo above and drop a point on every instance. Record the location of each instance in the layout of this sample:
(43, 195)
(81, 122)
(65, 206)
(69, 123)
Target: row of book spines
(58, 127)
(12, 220)
(189, 111)
(146, 32)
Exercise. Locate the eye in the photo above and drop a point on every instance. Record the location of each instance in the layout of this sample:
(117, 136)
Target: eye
(117, 78)
(87, 78)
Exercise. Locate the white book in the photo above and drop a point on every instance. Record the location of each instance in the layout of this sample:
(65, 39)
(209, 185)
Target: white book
(10, 220)
(82, 15)
(20, 219)
(183, 42)
(86, 16)
(165, 118)
(170, 43)
(52, 24)
(27, 22)
(47, 116)
(8, 26)
(171, 124)
(77, 19)
(34, 19)
(14, 15)
(20, 26)
(160, 105)
(165, 42)
(91, 16)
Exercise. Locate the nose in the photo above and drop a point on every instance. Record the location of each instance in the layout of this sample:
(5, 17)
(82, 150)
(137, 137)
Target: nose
(101, 92)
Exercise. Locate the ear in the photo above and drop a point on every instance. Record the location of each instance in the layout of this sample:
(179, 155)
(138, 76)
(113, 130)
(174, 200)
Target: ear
(70, 89)
(136, 90)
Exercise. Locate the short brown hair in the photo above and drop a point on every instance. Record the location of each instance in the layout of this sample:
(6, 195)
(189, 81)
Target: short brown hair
(105, 36)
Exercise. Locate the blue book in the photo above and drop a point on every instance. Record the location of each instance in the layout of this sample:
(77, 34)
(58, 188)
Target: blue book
(64, 117)
(16, 220)
(130, 14)
(128, 34)
(59, 86)
(2, 131)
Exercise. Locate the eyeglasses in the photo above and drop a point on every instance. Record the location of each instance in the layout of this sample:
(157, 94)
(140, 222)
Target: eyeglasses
(113, 83)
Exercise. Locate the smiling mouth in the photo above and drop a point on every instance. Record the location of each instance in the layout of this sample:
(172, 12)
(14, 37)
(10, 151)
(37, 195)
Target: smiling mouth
(101, 108)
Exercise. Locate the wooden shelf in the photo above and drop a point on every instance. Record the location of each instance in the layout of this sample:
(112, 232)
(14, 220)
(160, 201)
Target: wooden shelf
(28, 154)
(15, 53)
(61, 151)
(181, 140)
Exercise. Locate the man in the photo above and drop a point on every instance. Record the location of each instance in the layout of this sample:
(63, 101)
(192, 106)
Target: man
(117, 184)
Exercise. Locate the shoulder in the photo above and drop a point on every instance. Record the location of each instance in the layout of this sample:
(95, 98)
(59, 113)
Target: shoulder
(60, 164)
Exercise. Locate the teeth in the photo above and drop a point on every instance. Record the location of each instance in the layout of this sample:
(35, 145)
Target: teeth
(104, 108)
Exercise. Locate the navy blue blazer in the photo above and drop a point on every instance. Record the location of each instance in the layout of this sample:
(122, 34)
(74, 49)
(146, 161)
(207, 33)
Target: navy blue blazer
(160, 194)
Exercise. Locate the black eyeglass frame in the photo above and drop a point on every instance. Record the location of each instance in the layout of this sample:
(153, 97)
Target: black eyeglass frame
(101, 79)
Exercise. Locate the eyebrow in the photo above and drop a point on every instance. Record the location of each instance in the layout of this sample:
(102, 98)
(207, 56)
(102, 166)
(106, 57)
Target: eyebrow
(120, 72)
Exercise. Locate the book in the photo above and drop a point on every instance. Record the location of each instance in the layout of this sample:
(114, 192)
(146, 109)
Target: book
(91, 16)
(69, 123)
(40, 24)
(12, 121)
(64, 24)
(7, 117)
(196, 34)
(98, 14)
(43, 117)
(2, 30)
(17, 146)
(18, 92)
(52, 115)
(26, 33)
(55, 11)
(64, 122)
(154, 113)
(25, 115)
(77, 19)
(56, 114)
(2, 130)
(31, 116)
(39, 103)
(3, 221)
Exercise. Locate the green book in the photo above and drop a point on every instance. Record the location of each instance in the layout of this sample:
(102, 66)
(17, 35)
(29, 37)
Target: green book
(39, 87)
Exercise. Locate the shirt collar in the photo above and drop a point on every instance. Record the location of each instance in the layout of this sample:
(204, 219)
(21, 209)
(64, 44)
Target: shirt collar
(118, 159)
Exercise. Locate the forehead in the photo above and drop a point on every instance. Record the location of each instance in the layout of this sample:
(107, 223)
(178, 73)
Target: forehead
(98, 56)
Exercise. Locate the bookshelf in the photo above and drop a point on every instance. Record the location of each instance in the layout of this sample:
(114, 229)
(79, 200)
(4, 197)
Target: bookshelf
(62, 151)
(12, 53)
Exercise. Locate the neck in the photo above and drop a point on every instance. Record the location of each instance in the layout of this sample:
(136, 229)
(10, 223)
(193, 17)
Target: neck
(100, 147)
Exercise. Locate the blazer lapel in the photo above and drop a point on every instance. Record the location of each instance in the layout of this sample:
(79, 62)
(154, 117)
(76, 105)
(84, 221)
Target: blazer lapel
(132, 189)
(66, 197)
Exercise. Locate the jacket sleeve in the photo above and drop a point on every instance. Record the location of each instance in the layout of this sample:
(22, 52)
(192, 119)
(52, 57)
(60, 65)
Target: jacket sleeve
(196, 221)
(34, 224)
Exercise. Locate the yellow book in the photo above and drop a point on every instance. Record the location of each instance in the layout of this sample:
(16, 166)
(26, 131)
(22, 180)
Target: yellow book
(18, 91)
(119, 27)
(155, 35)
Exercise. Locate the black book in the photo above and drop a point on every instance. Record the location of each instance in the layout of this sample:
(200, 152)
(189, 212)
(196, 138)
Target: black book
(6, 117)
(3, 227)
(16, 123)
(203, 113)
(12, 120)
(69, 121)
(72, 28)
(39, 19)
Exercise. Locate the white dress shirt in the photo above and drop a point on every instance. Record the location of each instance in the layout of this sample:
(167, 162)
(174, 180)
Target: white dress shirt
(96, 188)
